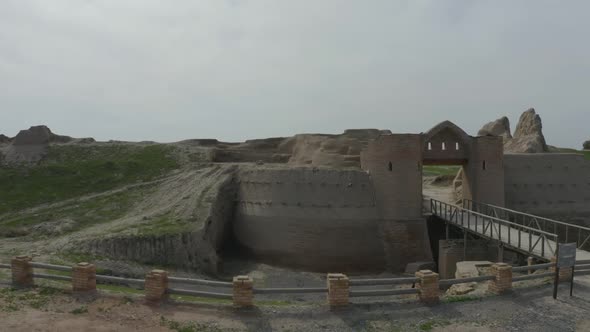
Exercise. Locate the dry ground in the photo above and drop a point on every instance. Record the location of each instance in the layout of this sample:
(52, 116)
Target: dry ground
(524, 309)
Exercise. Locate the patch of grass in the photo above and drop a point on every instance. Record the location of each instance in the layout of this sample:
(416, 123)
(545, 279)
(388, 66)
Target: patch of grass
(586, 154)
(199, 299)
(431, 324)
(36, 298)
(460, 298)
(120, 289)
(191, 326)
(71, 257)
(74, 216)
(435, 170)
(162, 225)
(71, 171)
(79, 311)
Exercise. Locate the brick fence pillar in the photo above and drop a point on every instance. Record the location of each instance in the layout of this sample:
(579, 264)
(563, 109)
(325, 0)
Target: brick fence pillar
(156, 283)
(428, 287)
(243, 295)
(338, 289)
(84, 278)
(22, 271)
(503, 281)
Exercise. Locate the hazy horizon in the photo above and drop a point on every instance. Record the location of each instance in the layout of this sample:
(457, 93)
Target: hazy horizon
(244, 69)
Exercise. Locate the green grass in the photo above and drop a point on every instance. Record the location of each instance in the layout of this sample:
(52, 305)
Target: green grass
(435, 170)
(79, 215)
(431, 324)
(80, 310)
(36, 298)
(72, 171)
(191, 326)
(162, 225)
(586, 154)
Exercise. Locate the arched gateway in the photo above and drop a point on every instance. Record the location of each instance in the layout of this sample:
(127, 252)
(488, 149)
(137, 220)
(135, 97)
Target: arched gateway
(394, 163)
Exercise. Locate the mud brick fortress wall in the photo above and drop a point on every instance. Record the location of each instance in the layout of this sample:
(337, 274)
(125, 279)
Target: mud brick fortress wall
(394, 164)
(548, 184)
(320, 219)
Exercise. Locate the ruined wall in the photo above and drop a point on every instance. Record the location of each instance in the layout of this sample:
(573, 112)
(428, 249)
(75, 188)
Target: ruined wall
(323, 220)
(453, 251)
(549, 184)
(198, 248)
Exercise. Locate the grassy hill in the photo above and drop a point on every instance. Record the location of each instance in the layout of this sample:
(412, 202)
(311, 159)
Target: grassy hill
(72, 171)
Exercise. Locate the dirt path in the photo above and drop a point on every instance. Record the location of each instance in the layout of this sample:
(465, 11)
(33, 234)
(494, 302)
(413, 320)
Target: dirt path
(525, 309)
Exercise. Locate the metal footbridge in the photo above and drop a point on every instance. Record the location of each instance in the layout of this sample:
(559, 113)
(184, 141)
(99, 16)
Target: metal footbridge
(525, 233)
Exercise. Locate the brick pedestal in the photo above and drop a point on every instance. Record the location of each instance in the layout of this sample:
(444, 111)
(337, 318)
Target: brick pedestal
(338, 289)
(565, 274)
(242, 291)
(428, 286)
(84, 278)
(156, 283)
(22, 271)
(503, 281)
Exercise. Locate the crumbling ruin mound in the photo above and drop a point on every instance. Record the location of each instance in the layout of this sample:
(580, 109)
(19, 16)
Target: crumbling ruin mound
(528, 135)
(29, 146)
(39, 135)
(330, 150)
(4, 139)
(500, 127)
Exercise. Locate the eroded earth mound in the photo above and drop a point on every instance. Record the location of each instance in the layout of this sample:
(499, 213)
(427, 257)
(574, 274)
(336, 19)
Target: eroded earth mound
(528, 135)
(500, 127)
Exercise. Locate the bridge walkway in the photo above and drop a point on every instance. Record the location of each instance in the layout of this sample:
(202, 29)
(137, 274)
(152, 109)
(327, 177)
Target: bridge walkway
(528, 234)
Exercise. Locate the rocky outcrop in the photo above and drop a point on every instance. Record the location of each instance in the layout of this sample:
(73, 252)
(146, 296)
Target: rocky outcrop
(39, 135)
(586, 145)
(500, 127)
(4, 139)
(31, 145)
(528, 135)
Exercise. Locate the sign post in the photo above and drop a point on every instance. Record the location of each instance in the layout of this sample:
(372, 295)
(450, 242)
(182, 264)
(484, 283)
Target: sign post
(566, 258)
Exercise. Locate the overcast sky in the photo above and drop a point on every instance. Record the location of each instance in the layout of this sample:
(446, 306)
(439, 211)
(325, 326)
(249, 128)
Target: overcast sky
(169, 70)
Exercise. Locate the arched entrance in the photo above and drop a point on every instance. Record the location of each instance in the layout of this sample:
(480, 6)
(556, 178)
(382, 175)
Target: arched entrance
(479, 159)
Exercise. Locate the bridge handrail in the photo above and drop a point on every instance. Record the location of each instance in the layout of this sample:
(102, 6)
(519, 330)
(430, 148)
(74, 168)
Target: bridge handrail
(535, 230)
(530, 215)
